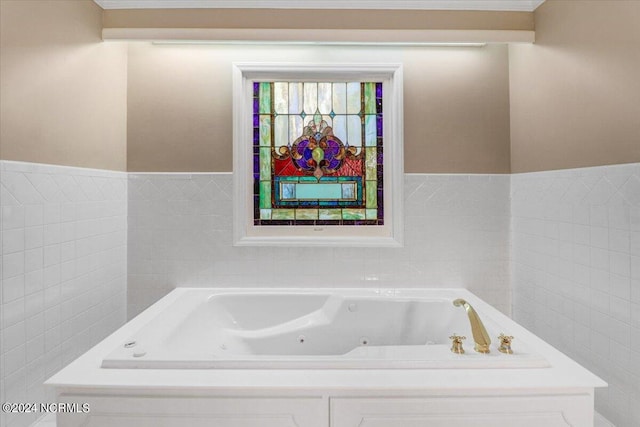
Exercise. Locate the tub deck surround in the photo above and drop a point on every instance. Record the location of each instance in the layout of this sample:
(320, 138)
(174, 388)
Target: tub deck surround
(558, 395)
(321, 329)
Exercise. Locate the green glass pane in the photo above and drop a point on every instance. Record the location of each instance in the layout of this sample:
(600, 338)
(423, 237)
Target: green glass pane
(372, 213)
(318, 191)
(330, 213)
(283, 214)
(372, 195)
(370, 163)
(370, 132)
(265, 194)
(265, 131)
(353, 214)
(265, 163)
(265, 213)
(265, 98)
(369, 98)
(306, 213)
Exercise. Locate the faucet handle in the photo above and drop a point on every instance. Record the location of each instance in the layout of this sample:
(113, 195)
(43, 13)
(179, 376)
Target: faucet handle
(456, 343)
(505, 343)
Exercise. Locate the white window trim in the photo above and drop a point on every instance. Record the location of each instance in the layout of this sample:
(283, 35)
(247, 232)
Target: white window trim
(244, 232)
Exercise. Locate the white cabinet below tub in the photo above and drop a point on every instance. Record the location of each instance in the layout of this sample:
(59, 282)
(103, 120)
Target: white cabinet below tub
(521, 411)
(552, 410)
(188, 411)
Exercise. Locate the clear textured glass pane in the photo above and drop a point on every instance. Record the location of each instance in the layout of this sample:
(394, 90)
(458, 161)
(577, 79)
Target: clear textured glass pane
(281, 131)
(349, 191)
(288, 191)
(295, 98)
(370, 131)
(353, 98)
(340, 98)
(281, 97)
(340, 128)
(324, 98)
(354, 131)
(328, 120)
(307, 120)
(295, 127)
(310, 98)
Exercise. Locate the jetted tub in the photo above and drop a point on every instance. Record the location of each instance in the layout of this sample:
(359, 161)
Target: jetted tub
(297, 329)
(320, 358)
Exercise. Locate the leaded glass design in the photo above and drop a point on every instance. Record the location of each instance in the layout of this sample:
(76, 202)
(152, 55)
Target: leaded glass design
(317, 153)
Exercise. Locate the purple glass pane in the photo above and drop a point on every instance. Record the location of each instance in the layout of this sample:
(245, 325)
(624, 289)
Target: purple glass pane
(334, 163)
(332, 147)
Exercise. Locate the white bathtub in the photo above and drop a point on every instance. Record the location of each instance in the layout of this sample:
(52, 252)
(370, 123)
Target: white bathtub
(251, 358)
(297, 329)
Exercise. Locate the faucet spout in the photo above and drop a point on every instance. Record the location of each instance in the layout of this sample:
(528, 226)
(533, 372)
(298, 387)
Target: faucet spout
(480, 335)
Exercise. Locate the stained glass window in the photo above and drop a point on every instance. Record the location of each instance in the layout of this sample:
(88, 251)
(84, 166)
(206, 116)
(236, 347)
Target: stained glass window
(317, 153)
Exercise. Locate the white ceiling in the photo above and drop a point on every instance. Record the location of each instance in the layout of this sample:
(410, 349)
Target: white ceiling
(504, 5)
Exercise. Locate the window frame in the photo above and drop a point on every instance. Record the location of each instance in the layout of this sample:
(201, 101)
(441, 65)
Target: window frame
(245, 233)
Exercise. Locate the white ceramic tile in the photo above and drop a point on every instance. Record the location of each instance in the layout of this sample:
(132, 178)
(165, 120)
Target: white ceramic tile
(40, 211)
(603, 320)
(180, 234)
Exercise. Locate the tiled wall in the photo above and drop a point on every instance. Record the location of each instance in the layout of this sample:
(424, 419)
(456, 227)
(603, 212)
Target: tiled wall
(457, 235)
(576, 273)
(63, 275)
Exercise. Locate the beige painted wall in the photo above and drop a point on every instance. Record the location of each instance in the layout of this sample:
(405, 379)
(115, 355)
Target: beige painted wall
(63, 90)
(456, 104)
(322, 18)
(575, 94)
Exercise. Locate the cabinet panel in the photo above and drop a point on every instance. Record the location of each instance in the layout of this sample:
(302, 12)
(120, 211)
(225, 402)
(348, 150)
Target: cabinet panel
(128, 411)
(523, 411)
